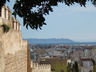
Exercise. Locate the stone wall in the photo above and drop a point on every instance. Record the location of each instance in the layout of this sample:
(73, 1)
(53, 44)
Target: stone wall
(40, 67)
(28, 60)
(17, 62)
(1, 58)
(13, 52)
(6, 18)
(44, 68)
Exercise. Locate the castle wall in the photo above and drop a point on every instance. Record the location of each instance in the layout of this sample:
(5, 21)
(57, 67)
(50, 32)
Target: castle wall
(40, 67)
(1, 58)
(12, 40)
(16, 25)
(13, 55)
(16, 62)
(13, 50)
(44, 68)
(3, 12)
(28, 60)
(6, 18)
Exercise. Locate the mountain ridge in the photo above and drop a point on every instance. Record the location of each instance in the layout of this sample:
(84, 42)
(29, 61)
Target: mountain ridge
(55, 41)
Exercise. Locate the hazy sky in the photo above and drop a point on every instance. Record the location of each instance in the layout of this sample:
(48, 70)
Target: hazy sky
(74, 22)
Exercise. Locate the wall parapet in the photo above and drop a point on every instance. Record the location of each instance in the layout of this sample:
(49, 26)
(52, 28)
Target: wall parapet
(36, 67)
(13, 49)
(6, 18)
(44, 66)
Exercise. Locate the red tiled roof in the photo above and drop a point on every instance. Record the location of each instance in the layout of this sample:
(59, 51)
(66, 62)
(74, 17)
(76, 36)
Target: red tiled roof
(86, 59)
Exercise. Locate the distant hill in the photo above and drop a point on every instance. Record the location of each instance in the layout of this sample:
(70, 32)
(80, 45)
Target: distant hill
(49, 41)
(56, 41)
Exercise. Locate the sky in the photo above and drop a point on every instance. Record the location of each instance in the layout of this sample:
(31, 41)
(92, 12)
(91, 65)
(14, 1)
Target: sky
(75, 22)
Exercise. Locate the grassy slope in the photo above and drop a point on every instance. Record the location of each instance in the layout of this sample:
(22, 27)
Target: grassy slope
(94, 68)
(60, 66)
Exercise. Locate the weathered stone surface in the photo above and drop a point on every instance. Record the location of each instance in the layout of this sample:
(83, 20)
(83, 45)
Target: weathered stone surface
(13, 50)
(40, 67)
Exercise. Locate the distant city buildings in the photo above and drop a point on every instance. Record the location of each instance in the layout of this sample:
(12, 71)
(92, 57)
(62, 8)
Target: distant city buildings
(83, 54)
(66, 51)
(87, 64)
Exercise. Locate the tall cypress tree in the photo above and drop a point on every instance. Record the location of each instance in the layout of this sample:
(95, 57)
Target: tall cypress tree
(76, 66)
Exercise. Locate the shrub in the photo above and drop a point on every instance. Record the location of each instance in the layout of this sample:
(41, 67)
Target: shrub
(5, 27)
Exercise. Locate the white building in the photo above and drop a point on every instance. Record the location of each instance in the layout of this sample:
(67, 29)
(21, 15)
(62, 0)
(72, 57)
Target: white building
(87, 64)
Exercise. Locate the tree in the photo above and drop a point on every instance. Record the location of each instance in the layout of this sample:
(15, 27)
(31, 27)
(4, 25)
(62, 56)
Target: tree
(73, 67)
(76, 66)
(33, 11)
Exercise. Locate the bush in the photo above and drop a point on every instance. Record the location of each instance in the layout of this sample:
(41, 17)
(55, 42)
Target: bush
(5, 27)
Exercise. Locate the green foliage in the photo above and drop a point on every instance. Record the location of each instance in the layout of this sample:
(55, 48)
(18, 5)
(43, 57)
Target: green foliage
(73, 67)
(94, 63)
(57, 65)
(69, 67)
(5, 27)
(76, 66)
(94, 68)
(33, 11)
(60, 67)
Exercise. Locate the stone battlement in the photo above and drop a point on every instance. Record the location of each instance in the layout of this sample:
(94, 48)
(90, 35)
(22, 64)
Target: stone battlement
(44, 66)
(13, 49)
(40, 67)
(6, 18)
